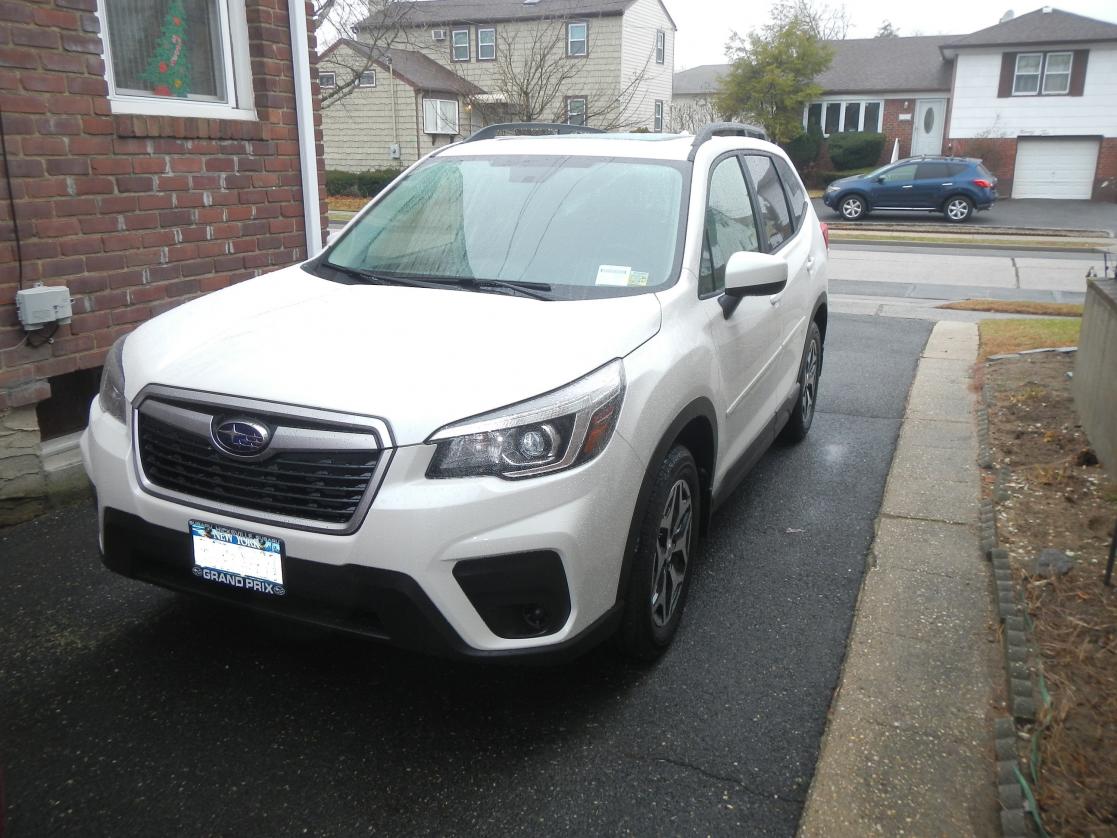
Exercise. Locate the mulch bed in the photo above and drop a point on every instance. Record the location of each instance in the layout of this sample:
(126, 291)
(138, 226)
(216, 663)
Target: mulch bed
(1059, 497)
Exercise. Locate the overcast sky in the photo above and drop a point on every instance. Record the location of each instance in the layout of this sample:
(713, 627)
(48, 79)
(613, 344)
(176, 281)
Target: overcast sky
(704, 25)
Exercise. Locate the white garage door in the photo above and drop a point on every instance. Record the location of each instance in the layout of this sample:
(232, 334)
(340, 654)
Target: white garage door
(1055, 168)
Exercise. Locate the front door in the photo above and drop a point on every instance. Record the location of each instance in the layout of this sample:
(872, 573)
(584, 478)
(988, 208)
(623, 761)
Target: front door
(926, 134)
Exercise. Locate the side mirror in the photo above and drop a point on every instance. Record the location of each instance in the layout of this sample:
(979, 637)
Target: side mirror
(879, 178)
(750, 274)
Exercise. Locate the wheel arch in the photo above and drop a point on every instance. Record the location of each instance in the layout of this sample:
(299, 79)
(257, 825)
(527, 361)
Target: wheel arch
(957, 194)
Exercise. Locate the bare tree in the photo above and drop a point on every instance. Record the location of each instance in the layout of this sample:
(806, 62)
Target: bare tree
(531, 80)
(377, 24)
(823, 21)
(690, 116)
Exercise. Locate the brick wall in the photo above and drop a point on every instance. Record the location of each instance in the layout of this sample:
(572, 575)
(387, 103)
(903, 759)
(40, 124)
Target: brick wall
(135, 214)
(895, 128)
(1105, 179)
(998, 154)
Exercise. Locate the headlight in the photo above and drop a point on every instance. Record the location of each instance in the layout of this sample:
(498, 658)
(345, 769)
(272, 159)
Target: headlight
(831, 188)
(543, 435)
(112, 382)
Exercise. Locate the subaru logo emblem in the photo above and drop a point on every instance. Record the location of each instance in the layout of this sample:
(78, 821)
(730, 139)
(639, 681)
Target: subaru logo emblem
(241, 437)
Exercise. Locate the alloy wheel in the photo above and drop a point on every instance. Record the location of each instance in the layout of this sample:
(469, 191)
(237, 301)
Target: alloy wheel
(958, 209)
(852, 208)
(672, 552)
(810, 382)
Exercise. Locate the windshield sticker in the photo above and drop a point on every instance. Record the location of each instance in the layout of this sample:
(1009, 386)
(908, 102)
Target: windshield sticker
(613, 275)
(637, 278)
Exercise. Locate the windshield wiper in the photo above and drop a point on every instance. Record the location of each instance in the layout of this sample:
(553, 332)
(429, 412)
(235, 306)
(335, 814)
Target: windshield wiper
(535, 290)
(381, 279)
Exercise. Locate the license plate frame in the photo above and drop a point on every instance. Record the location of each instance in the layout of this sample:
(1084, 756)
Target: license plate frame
(237, 558)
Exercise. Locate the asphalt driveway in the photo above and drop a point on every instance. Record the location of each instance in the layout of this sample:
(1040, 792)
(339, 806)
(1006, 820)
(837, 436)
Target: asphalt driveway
(1023, 212)
(128, 710)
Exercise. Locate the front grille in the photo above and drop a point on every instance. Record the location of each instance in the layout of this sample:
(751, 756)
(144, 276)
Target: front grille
(324, 486)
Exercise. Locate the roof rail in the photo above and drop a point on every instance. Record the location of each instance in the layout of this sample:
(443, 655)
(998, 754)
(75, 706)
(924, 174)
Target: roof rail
(529, 129)
(725, 129)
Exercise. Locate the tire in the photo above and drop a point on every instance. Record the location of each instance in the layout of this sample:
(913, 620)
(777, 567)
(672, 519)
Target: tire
(958, 208)
(661, 567)
(810, 368)
(853, 207)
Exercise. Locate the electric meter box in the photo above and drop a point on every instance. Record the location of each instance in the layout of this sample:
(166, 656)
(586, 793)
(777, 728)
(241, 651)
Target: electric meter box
(43, 304)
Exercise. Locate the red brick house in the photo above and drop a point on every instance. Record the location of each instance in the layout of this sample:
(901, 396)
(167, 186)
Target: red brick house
(153, 150)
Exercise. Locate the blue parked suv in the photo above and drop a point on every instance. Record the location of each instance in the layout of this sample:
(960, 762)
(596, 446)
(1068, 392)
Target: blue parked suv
(954, 186)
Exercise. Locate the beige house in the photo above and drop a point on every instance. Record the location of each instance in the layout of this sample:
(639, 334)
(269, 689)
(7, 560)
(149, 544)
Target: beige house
(604, 63)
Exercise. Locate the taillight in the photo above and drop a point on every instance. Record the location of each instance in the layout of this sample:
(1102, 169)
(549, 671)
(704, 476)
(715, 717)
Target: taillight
(825, 233)
(982, 182)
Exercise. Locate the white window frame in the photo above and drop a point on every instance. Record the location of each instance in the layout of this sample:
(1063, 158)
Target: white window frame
(1016, 74)
(570, 110)
(436, 122)
(657, 116)
(480, 54)
(842, 103)
(454, 45)
(371, 82)
(660, 46)
(237, 70)
(1046, 72)
(327, 85)
(571, 40)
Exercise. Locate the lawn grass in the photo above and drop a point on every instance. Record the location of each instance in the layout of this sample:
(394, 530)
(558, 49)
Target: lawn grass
(346, 204)
(999, 337)
(1017, 307)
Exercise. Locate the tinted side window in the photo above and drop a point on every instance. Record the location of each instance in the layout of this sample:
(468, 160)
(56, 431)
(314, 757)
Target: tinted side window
(929, 171)
(905, 172)
(796, 195)
(772, 206)
(955, 169)
(730, 224)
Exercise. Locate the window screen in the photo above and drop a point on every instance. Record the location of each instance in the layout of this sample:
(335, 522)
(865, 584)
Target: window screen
(730, 224)
(771, 203)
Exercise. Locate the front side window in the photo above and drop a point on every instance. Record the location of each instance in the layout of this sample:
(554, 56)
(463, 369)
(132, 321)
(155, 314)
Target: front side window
(771, 203)
(576, 39)
(459, 45)
(730, 224)
(899, 173)
(367, 79)
(660, 46)
(440, 116)
(486, 44)
(588, 226)
(1056, 72)
(177, 57)
(657, 119)
(1028, 66)
(576, 110)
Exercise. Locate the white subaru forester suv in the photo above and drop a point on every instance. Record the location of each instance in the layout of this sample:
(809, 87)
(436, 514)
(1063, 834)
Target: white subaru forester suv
(494, 416)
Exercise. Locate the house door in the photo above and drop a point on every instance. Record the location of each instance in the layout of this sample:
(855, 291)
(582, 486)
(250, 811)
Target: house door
(926, 135)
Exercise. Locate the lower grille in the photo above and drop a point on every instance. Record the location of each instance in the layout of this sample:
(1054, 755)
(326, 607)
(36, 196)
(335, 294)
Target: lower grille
(323, 486)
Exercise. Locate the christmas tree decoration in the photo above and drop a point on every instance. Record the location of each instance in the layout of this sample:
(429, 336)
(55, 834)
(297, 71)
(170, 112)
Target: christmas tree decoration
(168, 71)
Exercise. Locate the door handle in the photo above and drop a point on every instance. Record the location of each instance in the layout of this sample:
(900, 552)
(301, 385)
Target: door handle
(775, 299)
(810, 261)
(909, 186)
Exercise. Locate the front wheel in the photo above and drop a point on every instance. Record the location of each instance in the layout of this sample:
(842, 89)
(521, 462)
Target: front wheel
(958, 209)
(802, 415)
(661, 567)
(853, 207)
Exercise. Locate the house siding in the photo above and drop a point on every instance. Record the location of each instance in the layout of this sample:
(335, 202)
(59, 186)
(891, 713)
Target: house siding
(977, 111)
(135, 214)
(641, 21)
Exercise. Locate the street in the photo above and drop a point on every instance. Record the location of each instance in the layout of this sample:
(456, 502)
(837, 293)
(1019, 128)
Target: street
(128, 710)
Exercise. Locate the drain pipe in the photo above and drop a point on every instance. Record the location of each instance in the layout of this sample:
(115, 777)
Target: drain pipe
(304, 115)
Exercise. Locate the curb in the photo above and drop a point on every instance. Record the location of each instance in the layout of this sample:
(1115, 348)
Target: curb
(1022, 662)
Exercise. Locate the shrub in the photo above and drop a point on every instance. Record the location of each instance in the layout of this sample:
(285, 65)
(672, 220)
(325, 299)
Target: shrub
(856, 149)
(358, 184)
(803, 148)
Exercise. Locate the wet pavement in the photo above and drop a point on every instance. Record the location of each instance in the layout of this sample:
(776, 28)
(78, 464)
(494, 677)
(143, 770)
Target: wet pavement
(128, 710)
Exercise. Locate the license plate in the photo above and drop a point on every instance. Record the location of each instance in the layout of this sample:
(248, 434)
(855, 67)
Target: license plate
(239, 559)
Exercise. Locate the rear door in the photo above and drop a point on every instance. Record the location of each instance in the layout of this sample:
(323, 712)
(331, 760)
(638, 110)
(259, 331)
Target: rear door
(932, 181)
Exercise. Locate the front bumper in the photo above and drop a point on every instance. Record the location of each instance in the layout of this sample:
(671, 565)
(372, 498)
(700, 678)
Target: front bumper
(393, 579)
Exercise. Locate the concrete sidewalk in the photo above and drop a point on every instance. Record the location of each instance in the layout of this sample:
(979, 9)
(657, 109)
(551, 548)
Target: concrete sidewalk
(909, 746)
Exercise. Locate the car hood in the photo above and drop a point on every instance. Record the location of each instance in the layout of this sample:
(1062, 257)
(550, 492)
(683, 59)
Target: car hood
(846, 181)
(416, 358)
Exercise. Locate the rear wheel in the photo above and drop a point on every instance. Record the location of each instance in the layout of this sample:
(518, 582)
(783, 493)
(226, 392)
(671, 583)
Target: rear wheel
(799, 424)
(853, 207)
(958, 209)
(660, 573)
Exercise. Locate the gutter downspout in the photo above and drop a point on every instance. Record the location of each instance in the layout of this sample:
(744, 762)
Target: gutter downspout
(304, 116)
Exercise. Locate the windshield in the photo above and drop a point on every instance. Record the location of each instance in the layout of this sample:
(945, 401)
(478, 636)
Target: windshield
(587, 226)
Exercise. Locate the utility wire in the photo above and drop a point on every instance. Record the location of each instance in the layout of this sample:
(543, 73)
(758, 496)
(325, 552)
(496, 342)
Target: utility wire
(11, 198)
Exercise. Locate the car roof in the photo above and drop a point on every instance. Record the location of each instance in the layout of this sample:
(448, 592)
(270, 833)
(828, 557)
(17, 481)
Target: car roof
(647, 146)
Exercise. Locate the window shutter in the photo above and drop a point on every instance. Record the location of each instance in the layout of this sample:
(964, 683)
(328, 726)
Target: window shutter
(1078, 72)
(1008, 71)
